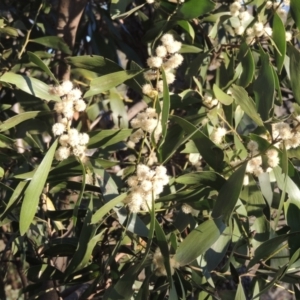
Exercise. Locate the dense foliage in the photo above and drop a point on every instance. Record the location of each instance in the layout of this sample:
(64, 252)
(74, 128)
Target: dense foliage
(154, 156)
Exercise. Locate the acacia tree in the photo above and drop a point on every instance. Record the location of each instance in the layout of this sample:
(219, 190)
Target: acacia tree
(149, 150)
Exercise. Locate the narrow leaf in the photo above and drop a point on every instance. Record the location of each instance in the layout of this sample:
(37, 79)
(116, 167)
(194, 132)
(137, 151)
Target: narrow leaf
(294, 71)
(199, 240)
(34, 190)
(264, 87)
(106, 82)
(53, 42)
(36, 60)
(279, 39)
(29, 85)
(101, 212)
(229, 194)
(15, 120)
(247, 105)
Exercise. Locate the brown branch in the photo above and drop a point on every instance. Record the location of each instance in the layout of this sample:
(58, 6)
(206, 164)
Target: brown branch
(69, 15)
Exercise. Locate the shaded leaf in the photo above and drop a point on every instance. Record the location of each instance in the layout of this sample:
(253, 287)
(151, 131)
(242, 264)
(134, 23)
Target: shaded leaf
(295, 11)
(263, 88)
(279, 39)
(294, 71)
(36, 60)
(229, 194)
(198, 241)
(194, 9)
(54, 42)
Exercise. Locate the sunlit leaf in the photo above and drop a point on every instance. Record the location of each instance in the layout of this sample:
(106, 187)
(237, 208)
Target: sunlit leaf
(29, 85)
(34, 190)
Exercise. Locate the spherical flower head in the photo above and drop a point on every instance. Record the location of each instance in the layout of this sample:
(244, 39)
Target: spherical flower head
(68, 109)
(154, 62)
(79, 150)
(142, 171)
(130, 144)
(74, 94)
(167, 39)
(157, 187)
(258, 171)
(137, 197)
(244, 16)
(147, 89)
(252, 146)
(146, 185)
(131, 158)
(160, 171)
(271, 153)
(132, 181)
(64, 140)
(83, 138)
(73, 137)
(149, 125)
(269, 4)
(160, 86)
(273, 161)
(150, 1)
(294, 141)
(246, 180)
(174, 47)
(161, 51)
(268, 31)
(150, 75)
(66, 86)
(170, 77)
(258, 29)
(187, 209)
(135, 123)
(151, 112)
(62, 153)
(134, 207)
(58, 129)
(173, 62)
(250, 32)
(80, 105)
(58, 107)
(239, 30)
(138, 134)
(288, 36)
(235, 6)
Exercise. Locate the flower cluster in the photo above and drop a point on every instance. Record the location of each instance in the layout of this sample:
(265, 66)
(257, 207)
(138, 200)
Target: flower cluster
(71, 99)
(217, 135)
(284, 134)
(209, 102)
(239, 23)
(167, 56)
(254, 165)
(258, 30)
(158, 261)
(145, 122)
(146, 185)
(71, 141)
(281, 7)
